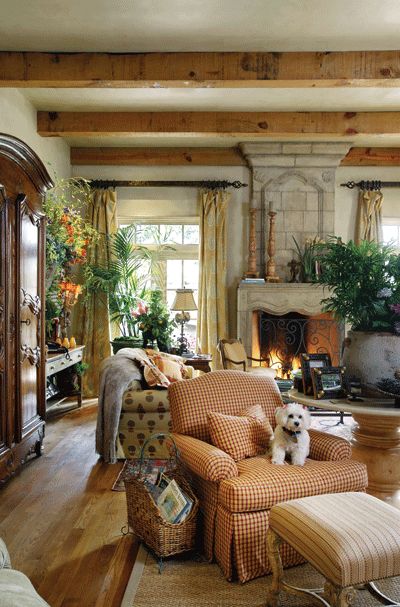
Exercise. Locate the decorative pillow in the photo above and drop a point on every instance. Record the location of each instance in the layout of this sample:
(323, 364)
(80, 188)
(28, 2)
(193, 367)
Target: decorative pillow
(172, 369)
(154, 377)
(258, 413)
(239, 436)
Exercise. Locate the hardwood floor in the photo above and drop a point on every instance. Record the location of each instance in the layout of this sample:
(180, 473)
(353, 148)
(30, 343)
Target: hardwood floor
(62, 523)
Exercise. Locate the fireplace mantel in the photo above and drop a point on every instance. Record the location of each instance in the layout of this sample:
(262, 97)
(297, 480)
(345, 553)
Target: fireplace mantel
(276, 298)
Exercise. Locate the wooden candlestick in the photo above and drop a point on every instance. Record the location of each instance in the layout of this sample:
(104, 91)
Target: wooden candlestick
(270, 274)
(252, 261)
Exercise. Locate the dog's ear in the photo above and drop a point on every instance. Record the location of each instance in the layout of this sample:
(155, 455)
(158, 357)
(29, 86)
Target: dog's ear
(280, 415)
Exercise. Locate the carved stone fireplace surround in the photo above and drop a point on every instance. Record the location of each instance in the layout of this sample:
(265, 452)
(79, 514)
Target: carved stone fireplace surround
(278, 299)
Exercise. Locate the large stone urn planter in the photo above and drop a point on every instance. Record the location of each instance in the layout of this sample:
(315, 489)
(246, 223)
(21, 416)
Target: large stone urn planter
(371, 356)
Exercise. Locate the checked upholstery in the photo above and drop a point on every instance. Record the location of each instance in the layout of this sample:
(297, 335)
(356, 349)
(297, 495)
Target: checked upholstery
(236, 497)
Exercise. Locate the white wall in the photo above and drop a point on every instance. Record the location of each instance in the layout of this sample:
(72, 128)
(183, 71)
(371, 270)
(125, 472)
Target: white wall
(181, 202)
(18, 118)
(346, 200)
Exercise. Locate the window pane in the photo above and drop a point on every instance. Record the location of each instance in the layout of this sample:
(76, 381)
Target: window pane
(174, 274)
(147, 234)
(191, 234)
(390, 234)
(190, 273)
(171, 233)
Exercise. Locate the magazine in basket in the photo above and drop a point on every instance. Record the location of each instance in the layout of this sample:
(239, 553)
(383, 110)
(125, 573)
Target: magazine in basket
(173, 504)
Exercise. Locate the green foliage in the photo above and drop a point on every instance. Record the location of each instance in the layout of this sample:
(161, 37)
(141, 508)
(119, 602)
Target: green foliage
(364, 281)
(126, 277)
(154, 322)
(308, 258)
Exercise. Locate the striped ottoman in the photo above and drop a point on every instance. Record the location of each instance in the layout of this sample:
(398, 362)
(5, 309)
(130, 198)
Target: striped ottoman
(350, 538)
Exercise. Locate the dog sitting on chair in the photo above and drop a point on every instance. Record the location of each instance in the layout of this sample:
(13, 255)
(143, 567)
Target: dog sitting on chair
(290, 435)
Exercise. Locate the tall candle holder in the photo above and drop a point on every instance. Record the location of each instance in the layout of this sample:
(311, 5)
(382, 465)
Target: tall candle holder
(270, 273)
(252, 260)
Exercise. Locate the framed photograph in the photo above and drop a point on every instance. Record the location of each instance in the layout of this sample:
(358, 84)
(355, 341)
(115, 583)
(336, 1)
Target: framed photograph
(309, 362)
(328, 382)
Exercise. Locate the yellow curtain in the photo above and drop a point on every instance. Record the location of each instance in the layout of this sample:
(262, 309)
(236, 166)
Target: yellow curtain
(369, 216)
(92, 321)
(212, 315)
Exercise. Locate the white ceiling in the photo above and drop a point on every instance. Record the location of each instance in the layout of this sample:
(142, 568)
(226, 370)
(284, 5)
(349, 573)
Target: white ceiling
(203, 25)
(191, 99)
(199, 25)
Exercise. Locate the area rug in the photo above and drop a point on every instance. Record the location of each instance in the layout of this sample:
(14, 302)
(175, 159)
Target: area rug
(132, 467)
(190, 582)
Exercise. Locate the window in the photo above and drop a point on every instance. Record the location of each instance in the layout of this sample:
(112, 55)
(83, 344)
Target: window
(179, 264)
(391, 231)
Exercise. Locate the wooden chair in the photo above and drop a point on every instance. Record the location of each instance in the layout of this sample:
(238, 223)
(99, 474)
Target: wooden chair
(234, 358)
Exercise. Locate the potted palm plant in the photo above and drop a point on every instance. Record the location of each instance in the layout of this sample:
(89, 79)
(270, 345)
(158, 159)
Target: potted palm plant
(125, 282)
(364, 284)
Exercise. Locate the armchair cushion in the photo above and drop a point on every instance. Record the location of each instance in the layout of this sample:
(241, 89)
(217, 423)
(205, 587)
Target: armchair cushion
(326, 447)
(205, 460)
(260, 484)
(239, 436)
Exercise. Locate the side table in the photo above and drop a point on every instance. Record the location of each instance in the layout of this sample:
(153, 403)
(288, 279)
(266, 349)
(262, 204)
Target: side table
(375, 440)
(200, 363)
(59, 367)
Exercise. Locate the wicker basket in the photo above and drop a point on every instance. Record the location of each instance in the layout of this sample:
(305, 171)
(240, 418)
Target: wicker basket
(145, 520)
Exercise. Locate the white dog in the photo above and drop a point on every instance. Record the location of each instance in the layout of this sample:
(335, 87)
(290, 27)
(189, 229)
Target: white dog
(291, 436)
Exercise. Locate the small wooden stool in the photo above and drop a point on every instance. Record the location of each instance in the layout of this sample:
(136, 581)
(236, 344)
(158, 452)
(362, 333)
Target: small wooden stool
(352, 539)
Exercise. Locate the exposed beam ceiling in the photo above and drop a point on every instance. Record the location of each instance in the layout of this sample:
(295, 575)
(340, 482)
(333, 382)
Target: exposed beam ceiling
(187, 156)
(157, 156)
(146, 70)
(301, 125)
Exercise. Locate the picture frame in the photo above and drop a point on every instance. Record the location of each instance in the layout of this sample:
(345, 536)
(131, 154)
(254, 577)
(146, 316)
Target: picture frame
(309, 362)
(328, 382)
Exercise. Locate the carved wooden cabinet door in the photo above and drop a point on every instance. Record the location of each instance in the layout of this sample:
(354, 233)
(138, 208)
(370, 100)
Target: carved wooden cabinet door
(30, 234)
(23, 184)
(3, 408)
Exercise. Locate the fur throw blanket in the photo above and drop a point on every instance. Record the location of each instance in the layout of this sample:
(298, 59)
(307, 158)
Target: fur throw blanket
(116, 373)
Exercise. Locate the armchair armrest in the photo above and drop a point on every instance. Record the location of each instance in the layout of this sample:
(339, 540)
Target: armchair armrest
(207, 461)
(326, 447)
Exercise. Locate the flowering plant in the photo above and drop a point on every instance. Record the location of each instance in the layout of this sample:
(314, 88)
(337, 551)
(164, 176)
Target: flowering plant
(364, 281)
(68, 236)
(154, 321)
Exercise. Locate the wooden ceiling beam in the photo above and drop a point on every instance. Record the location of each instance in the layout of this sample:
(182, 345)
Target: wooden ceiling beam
(198, 70)
(157, 156)
(300, 125)
(372, 157)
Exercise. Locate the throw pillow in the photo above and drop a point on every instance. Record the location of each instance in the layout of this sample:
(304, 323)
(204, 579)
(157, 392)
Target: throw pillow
(258, 413)
(169, 367)
(239, 436)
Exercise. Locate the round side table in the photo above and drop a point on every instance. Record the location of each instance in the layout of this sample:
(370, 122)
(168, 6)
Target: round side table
(375, 441)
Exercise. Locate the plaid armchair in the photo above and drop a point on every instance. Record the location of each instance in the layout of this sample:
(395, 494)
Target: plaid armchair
(236, 497)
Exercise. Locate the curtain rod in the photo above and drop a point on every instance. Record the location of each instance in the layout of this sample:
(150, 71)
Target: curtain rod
(371, 185)
(211, 185)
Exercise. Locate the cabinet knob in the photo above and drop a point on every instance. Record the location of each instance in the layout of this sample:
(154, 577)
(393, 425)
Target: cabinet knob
(26, 322)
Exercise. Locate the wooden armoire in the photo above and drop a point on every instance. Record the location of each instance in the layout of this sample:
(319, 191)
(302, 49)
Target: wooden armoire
(23, 184)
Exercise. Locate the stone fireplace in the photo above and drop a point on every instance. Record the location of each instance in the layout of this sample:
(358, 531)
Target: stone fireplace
(297, 181)
(277, 322)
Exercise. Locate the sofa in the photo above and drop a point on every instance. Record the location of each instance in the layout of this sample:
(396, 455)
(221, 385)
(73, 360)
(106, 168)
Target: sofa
(236, 496)
(16, 589)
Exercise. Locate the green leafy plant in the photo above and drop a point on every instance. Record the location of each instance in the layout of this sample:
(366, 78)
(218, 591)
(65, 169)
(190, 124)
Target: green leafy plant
(126, 278)
(308, 258)
(154, 321)
(364, 281)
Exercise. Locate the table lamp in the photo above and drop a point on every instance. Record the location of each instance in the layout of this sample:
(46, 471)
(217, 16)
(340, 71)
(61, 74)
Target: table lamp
(184, 301)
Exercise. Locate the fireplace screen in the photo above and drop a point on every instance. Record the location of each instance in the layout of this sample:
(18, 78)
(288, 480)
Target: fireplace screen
(281, 339)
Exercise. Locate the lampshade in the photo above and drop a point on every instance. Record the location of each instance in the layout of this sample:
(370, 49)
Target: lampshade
(184, 300)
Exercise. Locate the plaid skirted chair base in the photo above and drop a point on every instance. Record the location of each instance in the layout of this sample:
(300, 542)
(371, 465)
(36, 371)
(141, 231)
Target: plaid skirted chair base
(352, 539)
(236, 497)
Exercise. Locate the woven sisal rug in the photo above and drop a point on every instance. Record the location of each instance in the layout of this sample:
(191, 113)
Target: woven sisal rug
(187, 582)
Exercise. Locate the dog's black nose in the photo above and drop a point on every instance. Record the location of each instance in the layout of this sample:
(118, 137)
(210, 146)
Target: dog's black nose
(297, 424)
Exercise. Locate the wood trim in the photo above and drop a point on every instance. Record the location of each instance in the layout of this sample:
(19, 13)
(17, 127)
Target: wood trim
(157, 156)
(264, 124)
(372, 157)
(214, 69)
